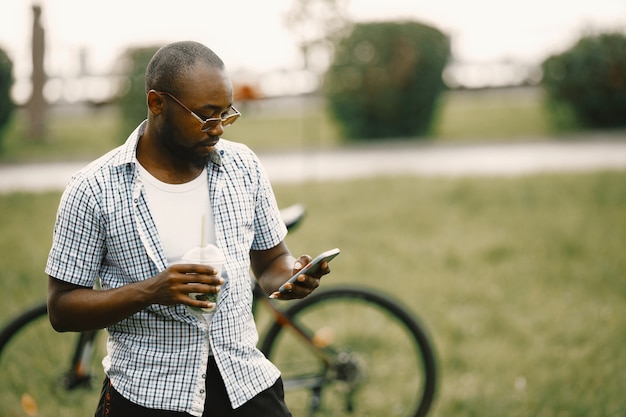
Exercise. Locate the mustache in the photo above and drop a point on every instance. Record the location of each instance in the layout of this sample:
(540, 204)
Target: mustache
(211, 141)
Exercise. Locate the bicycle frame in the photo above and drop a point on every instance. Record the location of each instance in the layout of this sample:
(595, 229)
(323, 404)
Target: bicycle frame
(324, 353)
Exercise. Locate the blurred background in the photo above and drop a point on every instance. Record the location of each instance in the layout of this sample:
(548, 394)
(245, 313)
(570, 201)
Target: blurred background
(520, 279)
(494, 43)
(70, 55)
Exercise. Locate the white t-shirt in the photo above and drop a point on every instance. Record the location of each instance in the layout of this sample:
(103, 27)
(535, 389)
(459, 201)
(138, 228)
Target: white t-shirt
(180, 212)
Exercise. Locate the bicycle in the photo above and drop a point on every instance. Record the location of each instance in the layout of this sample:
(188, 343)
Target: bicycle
(342, 351)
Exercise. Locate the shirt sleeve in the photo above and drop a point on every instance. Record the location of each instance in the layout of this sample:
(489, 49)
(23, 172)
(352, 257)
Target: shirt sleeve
(78, 241)
(270, 229)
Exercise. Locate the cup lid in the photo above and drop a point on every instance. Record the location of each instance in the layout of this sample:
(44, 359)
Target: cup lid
(205, 254)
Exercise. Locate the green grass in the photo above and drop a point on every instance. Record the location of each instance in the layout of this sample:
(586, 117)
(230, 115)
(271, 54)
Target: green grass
(463, 116)
(492, 115)
(519, 280)
(76, 134)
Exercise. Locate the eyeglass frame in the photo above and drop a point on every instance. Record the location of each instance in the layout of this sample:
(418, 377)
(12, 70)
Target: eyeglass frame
(211, 120)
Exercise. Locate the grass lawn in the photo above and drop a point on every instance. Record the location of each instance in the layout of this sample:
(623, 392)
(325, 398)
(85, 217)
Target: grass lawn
(492, 115)
(519, 280)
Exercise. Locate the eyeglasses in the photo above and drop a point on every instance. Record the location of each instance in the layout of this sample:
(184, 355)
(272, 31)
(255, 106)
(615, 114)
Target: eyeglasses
(208, 124)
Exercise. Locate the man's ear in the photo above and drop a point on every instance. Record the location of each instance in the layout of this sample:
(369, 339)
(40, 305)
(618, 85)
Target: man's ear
(154, 102)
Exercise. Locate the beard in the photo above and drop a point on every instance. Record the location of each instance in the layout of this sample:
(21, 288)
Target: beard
(171, 139)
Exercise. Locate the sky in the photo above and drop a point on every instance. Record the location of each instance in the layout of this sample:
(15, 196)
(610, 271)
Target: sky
(251, 35)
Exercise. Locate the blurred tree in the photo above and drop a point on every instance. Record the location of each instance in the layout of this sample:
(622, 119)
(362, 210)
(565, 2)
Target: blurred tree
(37, 105)
(385, 79)
(316, 24)
(132, 95)
(590, 79)
(7, 106)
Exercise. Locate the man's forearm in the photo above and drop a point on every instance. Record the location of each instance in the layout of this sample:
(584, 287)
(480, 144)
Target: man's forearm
(277, 273)
(82, 309)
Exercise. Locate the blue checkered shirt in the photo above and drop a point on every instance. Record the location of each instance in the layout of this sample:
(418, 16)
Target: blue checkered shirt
(158, 357)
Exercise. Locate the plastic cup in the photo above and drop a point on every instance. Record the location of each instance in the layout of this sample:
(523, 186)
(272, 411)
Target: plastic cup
(205, 255)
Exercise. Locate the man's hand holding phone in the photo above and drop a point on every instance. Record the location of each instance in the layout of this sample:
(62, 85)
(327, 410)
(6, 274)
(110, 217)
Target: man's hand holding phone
(313, 270)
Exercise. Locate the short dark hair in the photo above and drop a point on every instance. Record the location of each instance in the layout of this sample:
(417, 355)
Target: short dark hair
(172, 61)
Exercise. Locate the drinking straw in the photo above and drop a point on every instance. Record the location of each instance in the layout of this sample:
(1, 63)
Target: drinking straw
(202, 237)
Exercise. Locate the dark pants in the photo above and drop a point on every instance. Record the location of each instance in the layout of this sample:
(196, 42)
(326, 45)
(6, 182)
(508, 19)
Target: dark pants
(269, 403)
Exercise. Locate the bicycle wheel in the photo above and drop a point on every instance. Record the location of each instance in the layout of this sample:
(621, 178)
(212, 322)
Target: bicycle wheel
(34, 364)
(381, 360)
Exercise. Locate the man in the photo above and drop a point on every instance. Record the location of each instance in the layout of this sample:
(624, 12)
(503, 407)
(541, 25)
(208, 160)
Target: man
(129, 216)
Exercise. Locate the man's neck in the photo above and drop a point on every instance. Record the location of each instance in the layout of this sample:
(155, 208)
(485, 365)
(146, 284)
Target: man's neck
(165, 167)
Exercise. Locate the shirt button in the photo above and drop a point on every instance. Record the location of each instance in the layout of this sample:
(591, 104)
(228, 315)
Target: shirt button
(201, 391)
(203, 376)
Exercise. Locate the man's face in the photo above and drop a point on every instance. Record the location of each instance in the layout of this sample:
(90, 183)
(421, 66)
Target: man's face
(208, 93)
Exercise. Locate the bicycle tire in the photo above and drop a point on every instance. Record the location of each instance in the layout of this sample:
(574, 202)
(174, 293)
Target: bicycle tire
(20, 321)
(351, 317)
(34, 360)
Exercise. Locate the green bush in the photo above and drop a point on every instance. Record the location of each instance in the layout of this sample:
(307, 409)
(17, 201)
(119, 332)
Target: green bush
(385, 79)
(132, 95)
(590, 79)
(6, 82)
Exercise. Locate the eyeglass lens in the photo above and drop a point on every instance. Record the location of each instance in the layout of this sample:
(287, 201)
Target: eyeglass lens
(226, 120)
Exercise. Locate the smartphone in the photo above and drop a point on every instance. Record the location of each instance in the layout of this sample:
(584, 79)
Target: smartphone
(313, 266)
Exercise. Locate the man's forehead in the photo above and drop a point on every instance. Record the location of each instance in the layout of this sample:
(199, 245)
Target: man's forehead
(207, 88)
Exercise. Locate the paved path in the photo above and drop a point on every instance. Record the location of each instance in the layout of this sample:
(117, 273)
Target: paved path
(417, 159)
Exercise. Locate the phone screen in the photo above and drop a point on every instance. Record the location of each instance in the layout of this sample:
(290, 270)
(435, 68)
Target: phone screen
(313, 266)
